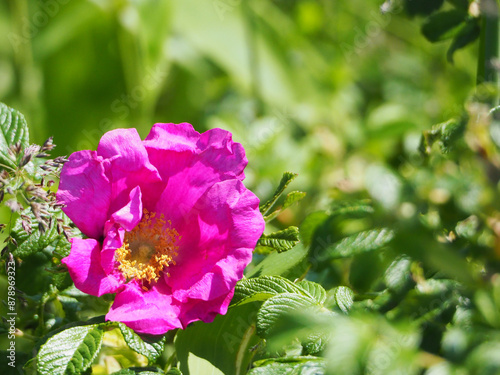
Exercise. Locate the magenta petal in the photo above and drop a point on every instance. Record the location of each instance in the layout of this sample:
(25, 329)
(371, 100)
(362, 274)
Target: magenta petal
(218, 242)
(222, 153)
(86, 192)
(129, 215)
(151, 312)
(84, 266)
(205, 310)
(127, 166)
(176, 137)
(191, 163)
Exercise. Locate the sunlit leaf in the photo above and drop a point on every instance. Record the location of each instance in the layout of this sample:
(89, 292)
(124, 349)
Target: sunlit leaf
(285, 180)
(314, 289)
(13, 129)
(280, 241)
(278, 306)
(264, 287)
(443, 25)
(71, 351)
(361, 242)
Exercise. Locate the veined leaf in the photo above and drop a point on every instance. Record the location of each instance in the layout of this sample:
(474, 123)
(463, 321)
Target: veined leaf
(343, 298)
(278, 306)
(13, 129)
(285, 180)
(280, 241)
(290, 199)
(149, 350)
(264, 287)
(351, 207)
(143, 371)
(360, 242)
(29, 244)
(314, 289)
(71, 351)
(294, 365)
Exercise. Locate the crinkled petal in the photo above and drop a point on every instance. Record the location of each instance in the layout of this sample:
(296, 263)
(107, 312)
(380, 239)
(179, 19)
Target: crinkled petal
(217, 242)
(86, 192)
(127, 166)
(84, 266)
(192, 164)
(151, 312)
(205, 310)
(129, 215)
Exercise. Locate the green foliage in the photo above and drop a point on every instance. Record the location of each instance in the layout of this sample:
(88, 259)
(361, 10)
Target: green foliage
(280, 241)
(285, 180)
(13, 131)
(396, 270)
(151, 350)
(422, 7)
(443, 25)
(225, 347)
(70, 351)
(359, 243)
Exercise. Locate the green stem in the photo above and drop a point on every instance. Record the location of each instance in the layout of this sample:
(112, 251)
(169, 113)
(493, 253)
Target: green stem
(253, 55)
(487, 70)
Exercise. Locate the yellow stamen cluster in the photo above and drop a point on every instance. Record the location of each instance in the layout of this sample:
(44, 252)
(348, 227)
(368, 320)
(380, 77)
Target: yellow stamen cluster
(148, 249)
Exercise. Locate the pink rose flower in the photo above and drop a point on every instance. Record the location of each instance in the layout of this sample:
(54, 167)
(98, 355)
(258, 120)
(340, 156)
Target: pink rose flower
(170, 225)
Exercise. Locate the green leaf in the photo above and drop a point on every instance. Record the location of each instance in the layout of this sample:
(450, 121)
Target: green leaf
(35, 242)
(280, 241)
(13, 129)
(220, 347)
(262, 288)
(397, 276)
(447, 133)
(278, 306)
(467, 228)
(143, 371)
(460, 4)
(310, 225)
(291, 198)
(285, 180)
(343, 297)
(289, 366)
(468, 34)
(151, 350)
(422, 7)
(291, 264)
(174, 371)
(315, 290)
(443, 25)
(360, 243)
(71, 351)
(356, 208)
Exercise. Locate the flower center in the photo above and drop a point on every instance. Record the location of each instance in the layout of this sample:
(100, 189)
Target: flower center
(148, 249)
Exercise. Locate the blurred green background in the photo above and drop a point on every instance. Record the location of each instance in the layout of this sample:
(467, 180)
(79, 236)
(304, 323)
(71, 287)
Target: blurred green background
(323, 88)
